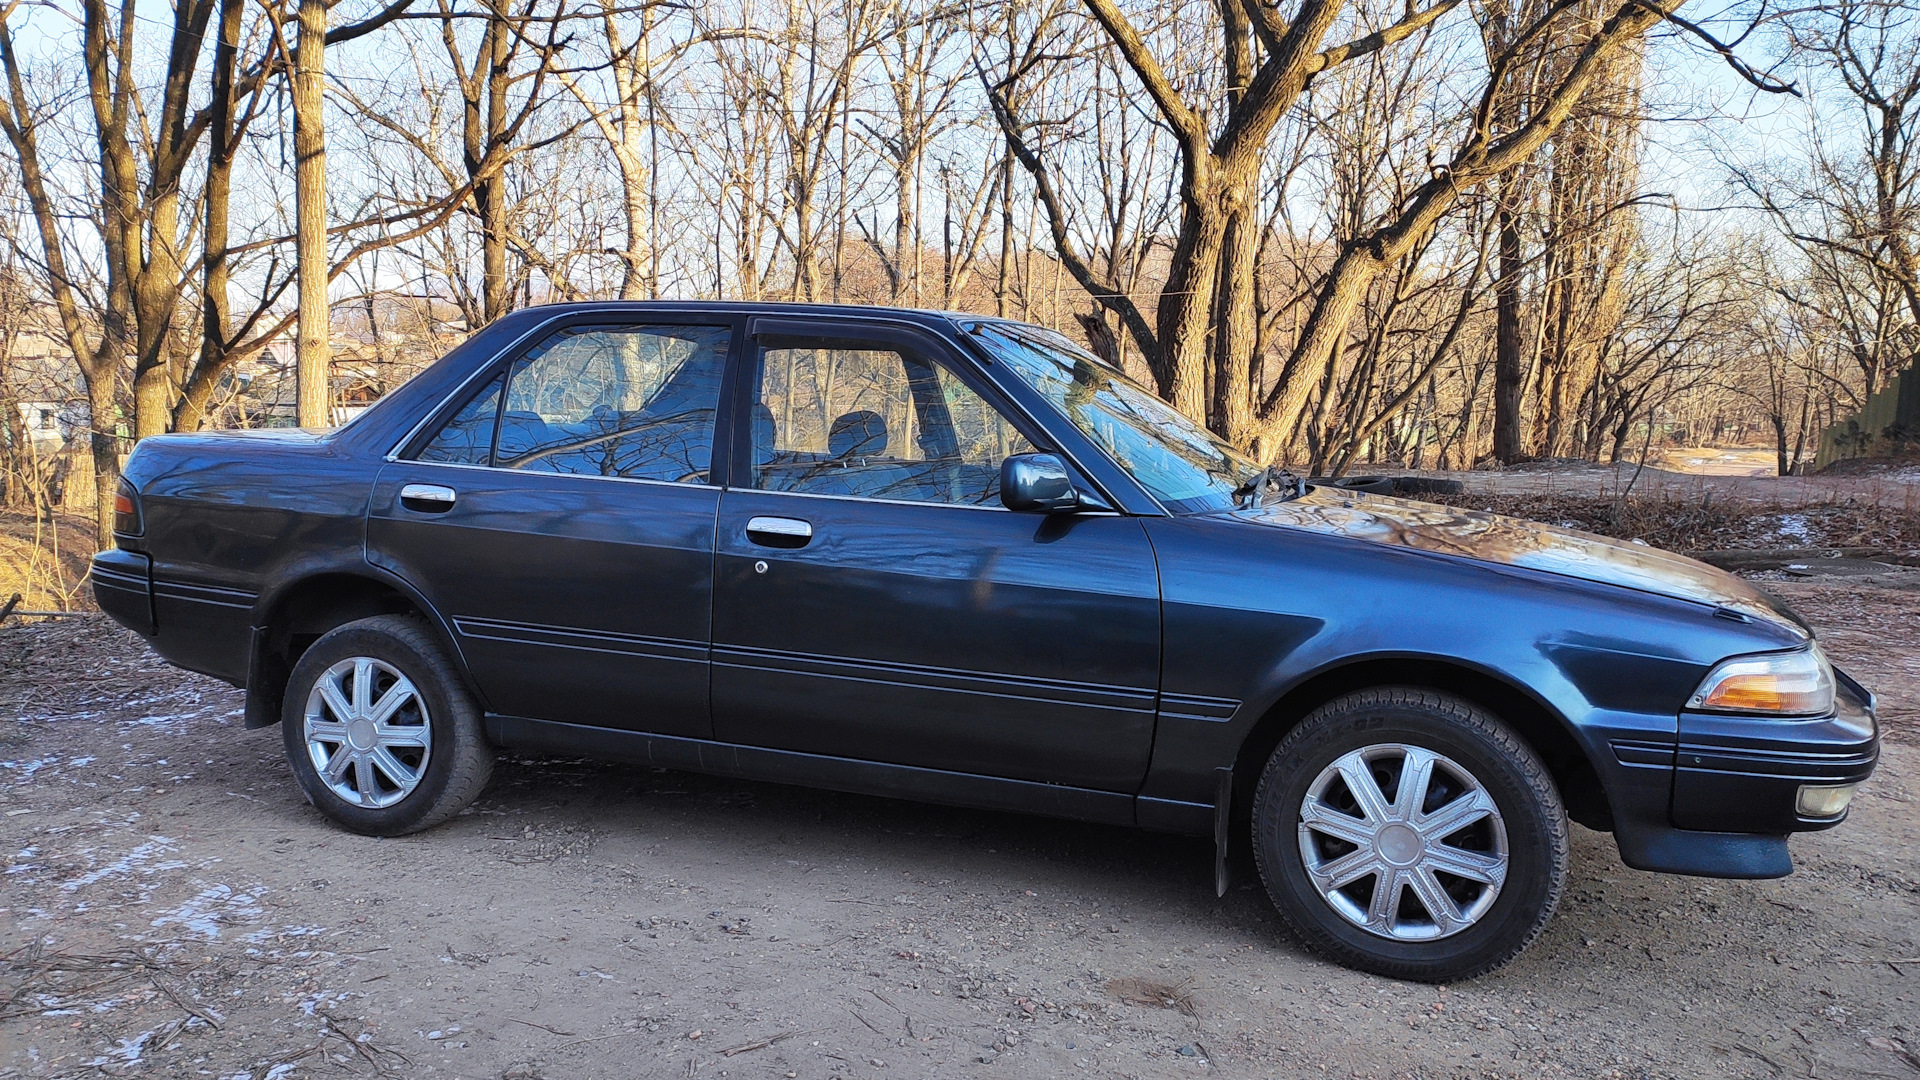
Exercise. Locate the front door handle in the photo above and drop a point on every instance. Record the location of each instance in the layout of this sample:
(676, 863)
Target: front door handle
(779, 532)
(427, 498)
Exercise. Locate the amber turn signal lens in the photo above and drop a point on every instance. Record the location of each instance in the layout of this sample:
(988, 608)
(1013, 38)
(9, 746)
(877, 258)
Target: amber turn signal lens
(1798, 683)
(126, 511)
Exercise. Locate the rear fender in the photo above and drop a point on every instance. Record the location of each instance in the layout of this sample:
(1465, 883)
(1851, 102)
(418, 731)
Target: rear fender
(269, 660)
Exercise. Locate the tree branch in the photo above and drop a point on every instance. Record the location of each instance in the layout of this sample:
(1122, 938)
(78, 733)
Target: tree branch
(1382, 38)
(1762, 82)
(1186, 124)
(1103, 293)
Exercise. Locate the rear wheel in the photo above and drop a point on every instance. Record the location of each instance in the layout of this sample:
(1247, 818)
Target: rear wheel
(381, 733)
(1407, 833)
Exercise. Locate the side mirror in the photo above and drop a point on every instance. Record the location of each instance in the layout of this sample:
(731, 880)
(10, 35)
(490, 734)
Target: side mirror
(1038, 482)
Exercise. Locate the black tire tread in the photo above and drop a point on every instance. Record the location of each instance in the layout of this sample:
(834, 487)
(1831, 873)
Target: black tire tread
(1470, 718)
(472, 756)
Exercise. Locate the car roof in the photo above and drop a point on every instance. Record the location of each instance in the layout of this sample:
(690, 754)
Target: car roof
(763, 307)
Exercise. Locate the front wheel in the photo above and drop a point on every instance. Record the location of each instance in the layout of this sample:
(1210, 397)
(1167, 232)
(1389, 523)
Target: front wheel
(380, 730)
(1407, 833)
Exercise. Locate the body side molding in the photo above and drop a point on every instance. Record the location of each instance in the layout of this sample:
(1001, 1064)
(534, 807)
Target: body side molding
(812, 770)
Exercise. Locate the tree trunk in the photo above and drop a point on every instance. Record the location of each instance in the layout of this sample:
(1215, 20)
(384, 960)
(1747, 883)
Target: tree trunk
(190, 412)
(1235, 343)
(1469, 454)
(490, 192)
(155, 296)
(106, 456)
(1509, 374)
(1183, 323)
(313, 350)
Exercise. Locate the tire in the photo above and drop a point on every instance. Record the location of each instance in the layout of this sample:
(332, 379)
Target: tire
(1365, 485)
(1426, 485)
(1514, 860)
(437, 727)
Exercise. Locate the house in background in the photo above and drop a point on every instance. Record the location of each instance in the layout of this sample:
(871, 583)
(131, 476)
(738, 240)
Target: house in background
(367, 362)
(51, 425)
(39, 381)
(267, 384)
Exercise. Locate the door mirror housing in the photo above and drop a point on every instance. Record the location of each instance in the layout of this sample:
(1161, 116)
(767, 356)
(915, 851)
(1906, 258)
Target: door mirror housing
(1043, 482)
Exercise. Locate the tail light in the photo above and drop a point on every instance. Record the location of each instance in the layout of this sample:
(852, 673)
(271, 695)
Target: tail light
(126, 511)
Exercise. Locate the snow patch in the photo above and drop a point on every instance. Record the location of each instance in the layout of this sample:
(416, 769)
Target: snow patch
(213, 907)
(132, 861)
(28, 768)
(158, 721)
(1794, 527)
(268, 933)
(129, 1051)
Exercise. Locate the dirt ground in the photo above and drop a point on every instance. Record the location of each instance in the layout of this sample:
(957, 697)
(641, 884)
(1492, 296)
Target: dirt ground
(171, 907)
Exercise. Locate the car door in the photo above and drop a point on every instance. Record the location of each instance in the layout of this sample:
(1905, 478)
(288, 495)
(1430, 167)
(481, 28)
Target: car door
(873, 600)
(562, 519)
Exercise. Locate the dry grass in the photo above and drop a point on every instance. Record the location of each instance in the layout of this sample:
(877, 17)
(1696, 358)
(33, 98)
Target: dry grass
(1154, 995)
(45, 561)
(1703, 521)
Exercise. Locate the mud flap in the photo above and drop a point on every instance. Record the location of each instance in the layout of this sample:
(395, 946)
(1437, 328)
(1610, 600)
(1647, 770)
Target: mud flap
(1222, 817)
(266, 682)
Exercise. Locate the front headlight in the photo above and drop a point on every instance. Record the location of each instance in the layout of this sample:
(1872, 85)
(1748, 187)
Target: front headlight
(1798, 683)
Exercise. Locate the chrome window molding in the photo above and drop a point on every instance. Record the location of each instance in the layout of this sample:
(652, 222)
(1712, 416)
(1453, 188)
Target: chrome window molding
(870, 499)
(569, 476)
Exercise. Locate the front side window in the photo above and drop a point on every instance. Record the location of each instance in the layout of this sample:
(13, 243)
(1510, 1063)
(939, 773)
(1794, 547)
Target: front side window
(636, 402)
(848, 418)
(1183, 464)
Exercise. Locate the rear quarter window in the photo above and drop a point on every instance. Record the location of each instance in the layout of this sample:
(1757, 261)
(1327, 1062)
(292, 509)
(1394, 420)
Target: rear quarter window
(467, 438)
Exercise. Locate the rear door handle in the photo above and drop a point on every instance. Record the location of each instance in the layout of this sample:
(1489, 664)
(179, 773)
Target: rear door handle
(428, 498)
(779, 532)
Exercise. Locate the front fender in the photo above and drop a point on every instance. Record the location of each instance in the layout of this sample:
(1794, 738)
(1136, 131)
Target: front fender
(1256, 616)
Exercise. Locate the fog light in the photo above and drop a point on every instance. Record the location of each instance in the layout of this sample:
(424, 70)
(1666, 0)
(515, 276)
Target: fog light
(1820, 802)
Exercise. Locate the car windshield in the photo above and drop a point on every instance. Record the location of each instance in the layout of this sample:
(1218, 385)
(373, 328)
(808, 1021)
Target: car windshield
(1184, 465)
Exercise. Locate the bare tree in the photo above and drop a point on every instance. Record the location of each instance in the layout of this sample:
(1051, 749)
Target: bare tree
(143, 150)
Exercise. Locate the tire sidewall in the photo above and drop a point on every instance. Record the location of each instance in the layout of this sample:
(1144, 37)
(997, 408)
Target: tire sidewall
(1536, 845)
(448, 718)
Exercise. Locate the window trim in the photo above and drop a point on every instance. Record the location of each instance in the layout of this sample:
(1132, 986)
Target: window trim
(559, 476)
(493, 430)
(994, 506)
(436, 418)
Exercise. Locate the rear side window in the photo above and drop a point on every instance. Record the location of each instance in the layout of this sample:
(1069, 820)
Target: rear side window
(630, 401)
(635, 402)
(467, 439)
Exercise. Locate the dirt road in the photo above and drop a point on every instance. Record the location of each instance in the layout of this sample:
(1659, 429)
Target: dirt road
(170, 907)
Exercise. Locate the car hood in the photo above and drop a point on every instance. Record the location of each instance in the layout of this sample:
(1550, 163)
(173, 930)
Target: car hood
(1496, 538)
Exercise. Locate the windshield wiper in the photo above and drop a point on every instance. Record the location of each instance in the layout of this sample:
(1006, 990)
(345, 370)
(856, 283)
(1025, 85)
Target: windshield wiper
(1273, 478)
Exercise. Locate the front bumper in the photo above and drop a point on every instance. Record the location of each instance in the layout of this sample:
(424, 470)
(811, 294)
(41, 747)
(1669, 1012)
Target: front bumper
(1742, 774)
(1732, 797)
